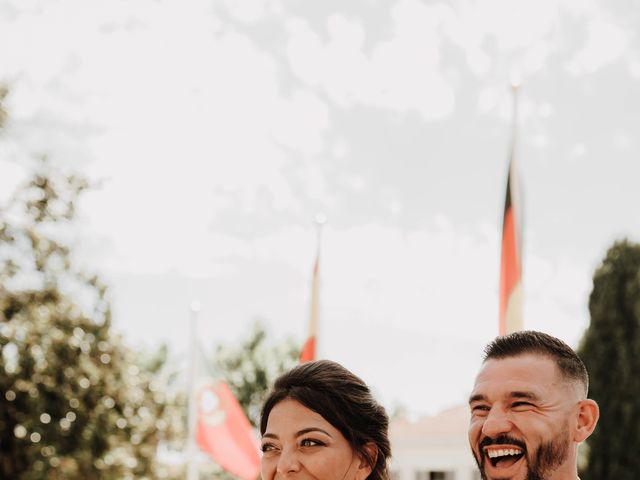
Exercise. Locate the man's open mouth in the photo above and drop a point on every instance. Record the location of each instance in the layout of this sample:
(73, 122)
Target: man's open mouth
(503, 457)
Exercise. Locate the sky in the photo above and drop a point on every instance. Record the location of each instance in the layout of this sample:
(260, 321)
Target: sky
(216, 130)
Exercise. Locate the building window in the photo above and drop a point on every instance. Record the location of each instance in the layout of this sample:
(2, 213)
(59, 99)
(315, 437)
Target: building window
(441, 476)
(434, 475)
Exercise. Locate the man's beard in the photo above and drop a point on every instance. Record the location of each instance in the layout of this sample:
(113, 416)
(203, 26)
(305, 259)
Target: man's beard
(547, 457)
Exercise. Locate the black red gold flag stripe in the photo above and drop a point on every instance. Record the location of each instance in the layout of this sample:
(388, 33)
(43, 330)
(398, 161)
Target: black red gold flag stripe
(511, 261)
(510, 313)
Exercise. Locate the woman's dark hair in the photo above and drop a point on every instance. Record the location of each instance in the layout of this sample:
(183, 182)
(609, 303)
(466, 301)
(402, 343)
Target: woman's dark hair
(344, 401)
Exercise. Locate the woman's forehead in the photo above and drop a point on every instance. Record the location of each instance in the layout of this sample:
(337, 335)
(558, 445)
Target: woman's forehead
(290, 411)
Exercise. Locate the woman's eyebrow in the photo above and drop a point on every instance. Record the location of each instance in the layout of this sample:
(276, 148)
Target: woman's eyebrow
(299, 433)
(312, 429)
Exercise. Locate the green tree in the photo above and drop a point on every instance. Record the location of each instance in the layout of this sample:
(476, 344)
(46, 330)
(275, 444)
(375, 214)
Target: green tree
(611, 351)
(251, 367)
(75, 402)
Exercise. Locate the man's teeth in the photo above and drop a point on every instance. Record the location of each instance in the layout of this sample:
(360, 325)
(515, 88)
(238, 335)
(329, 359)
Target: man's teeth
(504, 452)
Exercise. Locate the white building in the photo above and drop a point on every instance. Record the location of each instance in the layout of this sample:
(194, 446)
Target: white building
(433, 448)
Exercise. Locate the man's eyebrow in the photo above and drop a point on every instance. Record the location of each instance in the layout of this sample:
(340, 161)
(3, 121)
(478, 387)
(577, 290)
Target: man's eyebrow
(299, 433)
(527, 395)
(480, 397)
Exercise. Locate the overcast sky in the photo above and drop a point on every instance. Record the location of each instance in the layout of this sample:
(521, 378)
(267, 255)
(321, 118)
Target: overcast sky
(218, 129)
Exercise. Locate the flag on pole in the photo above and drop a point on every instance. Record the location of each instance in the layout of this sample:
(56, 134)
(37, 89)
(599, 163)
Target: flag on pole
(217, 423)
(511, 256)
(309, 350)
(224, 432)
(308, 353)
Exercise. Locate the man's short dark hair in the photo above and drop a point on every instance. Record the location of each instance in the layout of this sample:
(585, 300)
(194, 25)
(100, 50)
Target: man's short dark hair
(530, 341)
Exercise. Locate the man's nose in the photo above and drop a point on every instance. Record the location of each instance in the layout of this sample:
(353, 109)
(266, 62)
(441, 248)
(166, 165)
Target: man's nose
(288, 462)
(496, 423)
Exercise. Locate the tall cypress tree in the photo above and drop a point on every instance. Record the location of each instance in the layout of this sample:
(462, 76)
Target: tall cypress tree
(610, 349)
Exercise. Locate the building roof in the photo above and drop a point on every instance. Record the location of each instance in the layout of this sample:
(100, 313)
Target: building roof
(452, 423)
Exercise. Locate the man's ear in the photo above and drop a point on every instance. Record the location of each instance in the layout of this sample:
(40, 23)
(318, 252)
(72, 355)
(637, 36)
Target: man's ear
(588, 414)
(365, 467)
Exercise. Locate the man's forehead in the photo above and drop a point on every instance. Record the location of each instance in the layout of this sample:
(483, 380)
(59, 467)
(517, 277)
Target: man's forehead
(523, 360)
(526, 369)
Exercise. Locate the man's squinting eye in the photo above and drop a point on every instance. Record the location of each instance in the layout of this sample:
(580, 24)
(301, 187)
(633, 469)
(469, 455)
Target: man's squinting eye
(479, 409)
(311, 442)
(522, 405)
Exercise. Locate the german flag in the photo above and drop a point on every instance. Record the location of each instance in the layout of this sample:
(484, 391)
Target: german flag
(309, 352)
(511, 260)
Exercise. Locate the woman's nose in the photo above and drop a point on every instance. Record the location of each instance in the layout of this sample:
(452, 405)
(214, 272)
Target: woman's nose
(288, 462)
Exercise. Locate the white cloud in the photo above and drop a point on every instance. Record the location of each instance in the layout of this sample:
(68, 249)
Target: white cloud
(546, 110)
(513, 24)
(634, 68)
(250, 11)
(403, 278)
(556, 298)
(189, 121)
(396, 75)
(578, 151)
(621, 141)
(522, 31)
(489, 98)
(305, 52)
(300, 122)
(606, 42)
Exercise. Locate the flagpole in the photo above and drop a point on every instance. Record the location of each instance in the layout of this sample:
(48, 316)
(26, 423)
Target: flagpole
(192, 448)
(320, 220)
(515, 90)
(516, 184)
(515, 191)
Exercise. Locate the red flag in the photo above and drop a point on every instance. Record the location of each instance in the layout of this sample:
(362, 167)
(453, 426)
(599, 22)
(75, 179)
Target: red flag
(308, 353)
(224, 432)
(510, 260)
(309, 350)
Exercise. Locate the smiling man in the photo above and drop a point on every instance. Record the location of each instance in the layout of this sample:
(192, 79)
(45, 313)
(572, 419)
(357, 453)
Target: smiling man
(529, 409)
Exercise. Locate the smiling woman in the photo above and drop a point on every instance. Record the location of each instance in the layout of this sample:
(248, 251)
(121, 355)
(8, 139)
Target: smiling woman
(321, 421)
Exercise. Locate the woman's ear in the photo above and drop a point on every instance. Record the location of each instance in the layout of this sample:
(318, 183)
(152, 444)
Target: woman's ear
(588, 414)
(367, 461)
